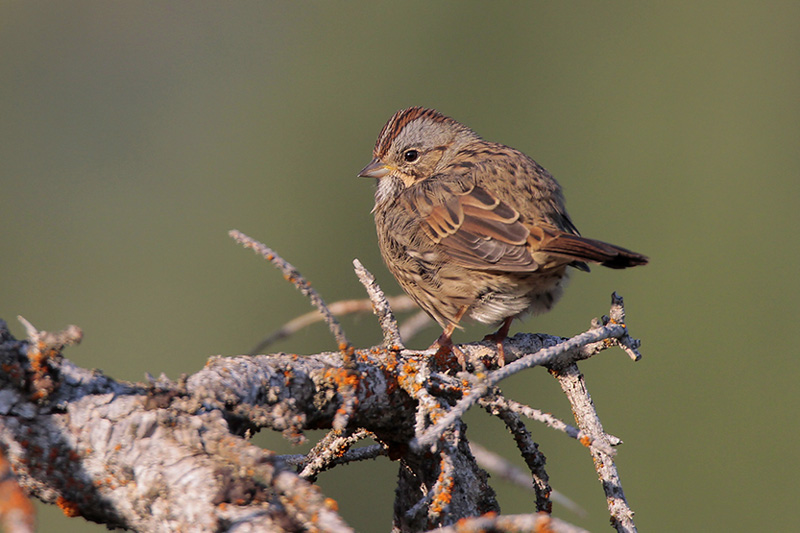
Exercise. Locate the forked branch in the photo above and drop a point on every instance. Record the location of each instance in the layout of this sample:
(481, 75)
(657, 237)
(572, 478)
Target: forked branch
(175, 455)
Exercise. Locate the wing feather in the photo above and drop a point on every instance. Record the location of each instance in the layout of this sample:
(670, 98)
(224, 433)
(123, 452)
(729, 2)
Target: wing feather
(477, 230)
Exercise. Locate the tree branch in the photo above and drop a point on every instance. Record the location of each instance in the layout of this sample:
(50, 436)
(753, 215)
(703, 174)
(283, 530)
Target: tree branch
(574, 386)
(292, 275)
(172, 455)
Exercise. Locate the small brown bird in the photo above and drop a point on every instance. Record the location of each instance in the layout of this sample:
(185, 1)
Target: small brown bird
(471, 227)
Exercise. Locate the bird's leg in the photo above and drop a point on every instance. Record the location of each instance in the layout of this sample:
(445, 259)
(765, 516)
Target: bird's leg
(498, 337)
(444, 344)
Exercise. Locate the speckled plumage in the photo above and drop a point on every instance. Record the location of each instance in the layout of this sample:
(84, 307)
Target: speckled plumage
(470, 227)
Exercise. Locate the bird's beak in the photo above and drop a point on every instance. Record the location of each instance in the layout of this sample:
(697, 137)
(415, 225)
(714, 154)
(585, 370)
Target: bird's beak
(375, 169)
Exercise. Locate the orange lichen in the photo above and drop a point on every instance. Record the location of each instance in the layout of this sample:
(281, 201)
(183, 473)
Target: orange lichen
(407, 378)
(444, 496)
(38, 395)
(391, 383)
(586, 440)
(543, 523)
(331, 504)
(343, 377)
(67, 507)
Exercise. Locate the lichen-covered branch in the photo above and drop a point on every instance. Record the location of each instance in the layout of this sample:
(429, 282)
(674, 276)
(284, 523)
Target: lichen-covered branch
(134, 456)
(574, 386)
(381, 307)
(174, 455)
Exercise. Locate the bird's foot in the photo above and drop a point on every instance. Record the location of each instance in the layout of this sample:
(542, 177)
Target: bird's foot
(444, 346)
(498, 337)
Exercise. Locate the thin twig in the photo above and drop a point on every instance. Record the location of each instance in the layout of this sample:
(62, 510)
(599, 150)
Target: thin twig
(44, 350)
(547, 355)
(293, 275)
(327, 450)
(521, 522)
(381, 307)
(339, 308)
(502, 468)
(530, 454)
(626, 342)
(414, 324)
(501, 402)
(541, 357)
(574, 386)
(53, 341)
(407, 329)
(350, 456)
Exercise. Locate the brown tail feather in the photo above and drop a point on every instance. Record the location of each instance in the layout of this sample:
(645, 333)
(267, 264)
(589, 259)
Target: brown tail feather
(583, 249)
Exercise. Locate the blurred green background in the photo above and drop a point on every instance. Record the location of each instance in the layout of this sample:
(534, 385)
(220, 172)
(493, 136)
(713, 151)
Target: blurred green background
(134, 135)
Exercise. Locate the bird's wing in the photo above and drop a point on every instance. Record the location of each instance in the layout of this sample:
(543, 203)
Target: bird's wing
(477, 230)
(474, 229)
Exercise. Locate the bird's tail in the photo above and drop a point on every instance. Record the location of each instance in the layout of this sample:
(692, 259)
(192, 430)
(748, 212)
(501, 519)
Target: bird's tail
(582, 249)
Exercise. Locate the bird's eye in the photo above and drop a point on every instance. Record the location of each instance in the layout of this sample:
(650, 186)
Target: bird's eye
(410, 156)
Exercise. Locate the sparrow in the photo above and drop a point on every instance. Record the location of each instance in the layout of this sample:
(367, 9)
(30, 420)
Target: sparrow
(474, 228)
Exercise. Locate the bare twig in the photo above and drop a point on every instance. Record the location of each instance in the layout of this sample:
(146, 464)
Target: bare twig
(501, 402)
(381, 308)
(617, 316)
(340, 308)
(44, 351)
(46, 340)
(413, 325)
(543, 356)
(502, 468)
(293, 275)
(530, 454)
(352, 455)
(522, 522)
(407, 330)
(574, 386)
